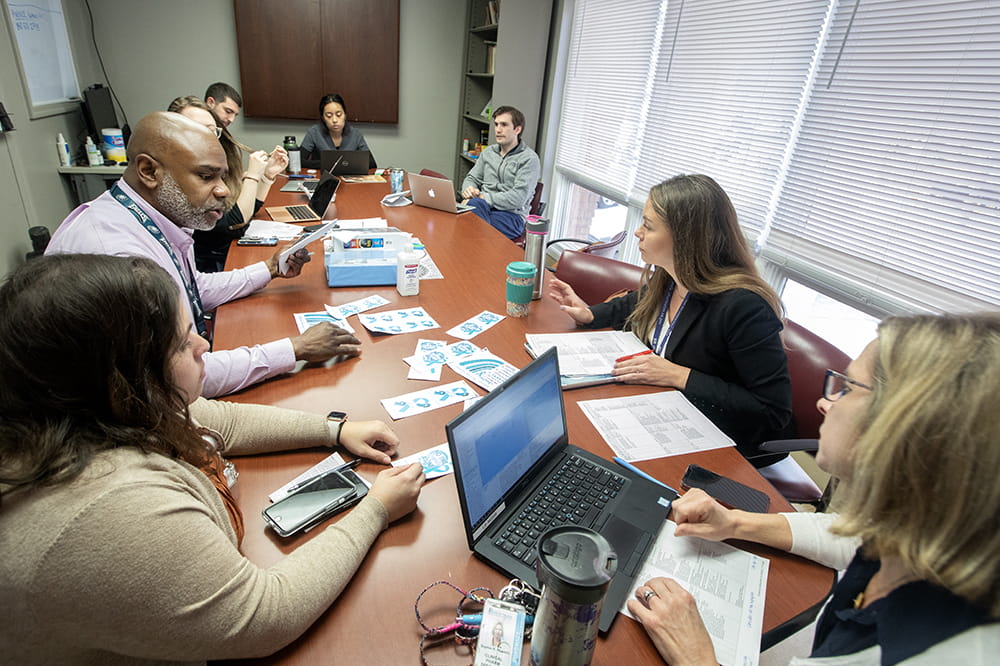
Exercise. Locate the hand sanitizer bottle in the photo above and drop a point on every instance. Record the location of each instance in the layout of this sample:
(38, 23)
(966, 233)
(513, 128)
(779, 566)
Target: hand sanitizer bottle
(94, 157)
(408, 271)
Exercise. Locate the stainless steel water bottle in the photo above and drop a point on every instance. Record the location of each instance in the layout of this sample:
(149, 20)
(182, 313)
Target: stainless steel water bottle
(536, 230)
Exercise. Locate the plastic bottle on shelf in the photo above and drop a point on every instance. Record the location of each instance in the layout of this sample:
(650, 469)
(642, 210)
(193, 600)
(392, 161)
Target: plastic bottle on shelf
(94, 157)
(408, 271)
(63, 148)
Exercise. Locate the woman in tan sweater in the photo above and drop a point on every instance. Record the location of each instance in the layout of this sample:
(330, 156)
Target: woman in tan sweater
(118, 536)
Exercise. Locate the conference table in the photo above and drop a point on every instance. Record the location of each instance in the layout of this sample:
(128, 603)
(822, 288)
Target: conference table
(373, 621)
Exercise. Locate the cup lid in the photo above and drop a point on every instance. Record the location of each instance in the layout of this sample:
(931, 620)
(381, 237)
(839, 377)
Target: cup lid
(576, 562)
(521, 269)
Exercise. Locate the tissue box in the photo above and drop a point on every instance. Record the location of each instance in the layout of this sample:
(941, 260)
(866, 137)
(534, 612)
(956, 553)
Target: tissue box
(363, 258)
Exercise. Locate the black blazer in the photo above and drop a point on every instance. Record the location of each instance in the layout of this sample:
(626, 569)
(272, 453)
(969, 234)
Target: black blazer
(739, 372)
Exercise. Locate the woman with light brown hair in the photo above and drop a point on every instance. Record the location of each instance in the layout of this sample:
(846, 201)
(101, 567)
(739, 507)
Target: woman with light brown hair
(911, 429)
(248, 189)
(710, 319)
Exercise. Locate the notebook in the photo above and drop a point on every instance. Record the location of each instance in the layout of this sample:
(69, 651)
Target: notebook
(320, 199)
(344, 162)
(512, 457)
(436, 193)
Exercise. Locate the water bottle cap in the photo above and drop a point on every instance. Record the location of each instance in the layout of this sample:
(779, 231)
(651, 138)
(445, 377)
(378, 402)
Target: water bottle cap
(521, 269)
(576, 563)
(536, 225)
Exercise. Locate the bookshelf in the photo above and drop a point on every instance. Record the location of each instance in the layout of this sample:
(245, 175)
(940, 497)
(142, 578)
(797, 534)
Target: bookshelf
(505, 70)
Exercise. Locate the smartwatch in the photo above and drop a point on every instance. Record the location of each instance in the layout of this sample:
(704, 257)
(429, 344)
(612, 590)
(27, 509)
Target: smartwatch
(339, 418)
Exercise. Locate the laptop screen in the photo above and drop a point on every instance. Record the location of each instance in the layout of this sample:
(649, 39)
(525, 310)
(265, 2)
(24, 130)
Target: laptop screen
(497, 441)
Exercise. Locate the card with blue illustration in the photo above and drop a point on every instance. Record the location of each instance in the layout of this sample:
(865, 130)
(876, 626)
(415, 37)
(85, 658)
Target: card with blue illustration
(306, 320)
(345, 310)
(470, 328)
(395, 322)
(418, 402)
(436, 461)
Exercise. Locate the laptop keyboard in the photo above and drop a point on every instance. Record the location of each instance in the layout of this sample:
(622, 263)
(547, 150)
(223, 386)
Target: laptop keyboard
(302, 212)
(575, 495)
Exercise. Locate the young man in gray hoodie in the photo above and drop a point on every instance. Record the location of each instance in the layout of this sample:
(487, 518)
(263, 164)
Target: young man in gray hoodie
(501, 184)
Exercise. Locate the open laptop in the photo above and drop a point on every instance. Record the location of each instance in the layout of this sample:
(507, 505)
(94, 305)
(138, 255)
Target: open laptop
(512, 458)
(436, 193)
(344, 162)
(320, 199)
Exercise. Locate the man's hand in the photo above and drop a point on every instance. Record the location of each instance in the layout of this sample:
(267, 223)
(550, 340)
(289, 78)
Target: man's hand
(324, 341)
(470, 191)
(295, 263)
(276, 162)
(373, 440)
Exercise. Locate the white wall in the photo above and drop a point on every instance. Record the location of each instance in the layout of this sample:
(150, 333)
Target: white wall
(154, 51)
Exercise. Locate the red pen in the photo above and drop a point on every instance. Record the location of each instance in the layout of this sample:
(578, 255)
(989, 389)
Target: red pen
(625, 358)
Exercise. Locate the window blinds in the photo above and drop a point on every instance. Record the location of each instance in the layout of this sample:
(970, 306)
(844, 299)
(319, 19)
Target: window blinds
(893, 190)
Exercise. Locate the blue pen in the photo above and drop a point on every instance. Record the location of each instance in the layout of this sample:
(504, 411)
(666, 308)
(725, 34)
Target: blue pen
(638, 471)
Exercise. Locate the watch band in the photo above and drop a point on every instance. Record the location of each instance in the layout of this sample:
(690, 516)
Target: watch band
(340, 418)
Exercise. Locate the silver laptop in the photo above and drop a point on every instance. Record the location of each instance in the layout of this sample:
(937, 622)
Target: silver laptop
(436, 193)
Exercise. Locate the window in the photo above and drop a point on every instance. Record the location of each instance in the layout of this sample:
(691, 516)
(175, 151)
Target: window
(857, 138)
(844, 327)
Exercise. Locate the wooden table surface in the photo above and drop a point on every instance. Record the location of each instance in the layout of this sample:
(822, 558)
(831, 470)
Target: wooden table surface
(373, 621)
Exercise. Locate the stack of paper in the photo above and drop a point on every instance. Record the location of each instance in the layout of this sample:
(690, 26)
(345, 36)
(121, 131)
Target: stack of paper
(586, 358)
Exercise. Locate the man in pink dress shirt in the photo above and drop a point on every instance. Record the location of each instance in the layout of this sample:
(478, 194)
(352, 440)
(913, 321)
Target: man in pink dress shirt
(172, 186)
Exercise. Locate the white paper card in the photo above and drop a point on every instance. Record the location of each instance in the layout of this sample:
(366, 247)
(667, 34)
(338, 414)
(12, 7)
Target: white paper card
(427, 399)
(483, 368)
(301, 243)
(345, 310)
(470, 328)
(436, 461)
(394, 322)
(305, 320)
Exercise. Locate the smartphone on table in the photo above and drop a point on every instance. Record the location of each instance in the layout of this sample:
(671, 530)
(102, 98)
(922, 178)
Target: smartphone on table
(732, 494)
(314, 501)
(257, 240)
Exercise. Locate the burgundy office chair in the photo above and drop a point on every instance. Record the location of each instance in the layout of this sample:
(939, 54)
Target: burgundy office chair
(432, 174)
(809, 357)
(595, 278)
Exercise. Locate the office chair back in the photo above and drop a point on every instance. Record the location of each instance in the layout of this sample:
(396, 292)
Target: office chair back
(809, 357)
(594, 278)
(432, 174)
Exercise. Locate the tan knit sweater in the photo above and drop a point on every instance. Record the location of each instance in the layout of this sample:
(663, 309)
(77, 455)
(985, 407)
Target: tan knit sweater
(136, 562)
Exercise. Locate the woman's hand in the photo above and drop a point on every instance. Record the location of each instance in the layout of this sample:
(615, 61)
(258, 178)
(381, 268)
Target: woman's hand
(653, 370)
(698, 515)
(569, 302)
(373, 440)
(277, 161)
(255, 165)
(670, 617)
(397, 489)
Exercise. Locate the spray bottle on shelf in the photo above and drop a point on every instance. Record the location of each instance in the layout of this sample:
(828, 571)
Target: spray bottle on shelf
(63, 148)
(408, 271)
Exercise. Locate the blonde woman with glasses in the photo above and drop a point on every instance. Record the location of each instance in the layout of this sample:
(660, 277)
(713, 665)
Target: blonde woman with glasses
(912, 430)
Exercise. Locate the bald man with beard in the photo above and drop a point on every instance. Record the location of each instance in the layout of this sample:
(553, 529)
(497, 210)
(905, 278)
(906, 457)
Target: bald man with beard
(173, 184)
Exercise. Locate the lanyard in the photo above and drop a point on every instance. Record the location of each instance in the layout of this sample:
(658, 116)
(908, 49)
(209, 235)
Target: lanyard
(661, 345)
(187, 277)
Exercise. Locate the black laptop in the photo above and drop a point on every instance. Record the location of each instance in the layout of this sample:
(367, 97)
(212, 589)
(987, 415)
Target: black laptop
(518, 476)
(345, 162)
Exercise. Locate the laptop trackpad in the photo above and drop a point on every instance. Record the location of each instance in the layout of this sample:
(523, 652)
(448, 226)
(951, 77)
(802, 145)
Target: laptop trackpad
(623, 536)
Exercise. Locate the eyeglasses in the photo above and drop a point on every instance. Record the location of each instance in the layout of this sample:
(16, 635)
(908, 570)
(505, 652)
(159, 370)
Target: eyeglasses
(216, 130)
(837, 385)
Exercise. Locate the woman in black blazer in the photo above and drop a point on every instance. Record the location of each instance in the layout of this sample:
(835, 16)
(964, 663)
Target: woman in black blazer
(710, 318)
